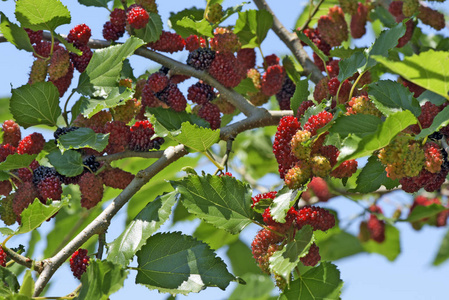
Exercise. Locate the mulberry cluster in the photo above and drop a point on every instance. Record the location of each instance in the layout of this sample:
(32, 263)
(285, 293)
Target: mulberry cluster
(211, 113)
(141, 134)
(272, 80)
(225, 69)
(376, 227)
(332, 27)
(201, 58)
(116, 178)
(194, 42)
(91, 188)
(168, 42)
(115, 28)
(137, 17)
(438, 220)
(79, 262)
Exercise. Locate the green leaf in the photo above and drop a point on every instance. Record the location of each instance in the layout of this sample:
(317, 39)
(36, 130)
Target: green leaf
(351, 65)
(42, 14)
(246, 86)
(97, 3)
(69, 163)
(441, 120)
(15, 34)
(242, 260)
(422, 212)
(103, 71)
(307, 12)
(344, 53)
(197, 138)
(292, 70)
(224, 202)
(136, 233)
(284, 261)
(390, 247)
(443, 251)
(179, 264)
(429, 69)
(257, 287)
(429, 96)
(252, 27)
(314, 47)
(372, 176)
(337, 244)
(232, 10)
(102, 278)
(83, 138)
(167, 120)
(9, 283)
(17, 161)
(199, 28)
(152, 31)
(391, 96)
(301, 94)
(214, 237)
(385, 132)
(27, 287)
(6, 231)
(382, 14)
(193, 13)
(322, 282)
(358, 124)
(37, 213)
(284, 199)
(116, 97)
(36, 104)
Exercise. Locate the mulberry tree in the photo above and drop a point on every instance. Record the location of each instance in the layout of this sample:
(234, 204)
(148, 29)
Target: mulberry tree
(197, 137)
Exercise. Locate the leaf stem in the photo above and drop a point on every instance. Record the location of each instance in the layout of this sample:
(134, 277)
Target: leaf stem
(65, 108)
(210, 157)
(311, 15)
(355, 83)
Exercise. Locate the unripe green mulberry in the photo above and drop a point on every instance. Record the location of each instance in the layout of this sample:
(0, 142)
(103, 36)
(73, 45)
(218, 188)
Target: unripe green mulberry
(321, 166)
(298, 144)
(362, 105)
(297, 176)
(127, 111)
(348, 6)
(38, 71)
(214, 13)
(6, 212)
(149, 5)
(410, 7)
(59, 64)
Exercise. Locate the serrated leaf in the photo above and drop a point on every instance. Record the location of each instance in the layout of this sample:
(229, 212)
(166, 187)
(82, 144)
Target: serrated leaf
(351, 65)
(429, 69)
(301, 94)
(440, 120)
(344, 53)
(97, 3)
(224, 202)
(443, 251)
(358, 124)
(42, 14)
(199, 28)
(103, 71)
(197, 138)
(257, 287)
(321, 282)
(314, 47)
(194, 13)
(15, 34)
(167, 120)
(385, 132)
(214, 237)
(9, 283)
(179, 264)
(252, 27)
(390, 247)
(116, 97)
(421, 212)
(83, 138)
(6, 231)
(372, 176)
(37, 213)
(36, 104)
(27, 287)
(284, 261)
(136, 233)
(69, 163)
(17, 161)
(152, 31)
(284, 199)
(102, 279)
(336, 244)
(291, 69)
(429, 96)
(391, 96)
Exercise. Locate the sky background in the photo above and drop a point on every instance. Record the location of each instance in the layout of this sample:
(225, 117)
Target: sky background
(366, 276)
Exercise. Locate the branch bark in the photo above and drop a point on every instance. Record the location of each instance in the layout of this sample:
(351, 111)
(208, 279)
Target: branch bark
(293, 43)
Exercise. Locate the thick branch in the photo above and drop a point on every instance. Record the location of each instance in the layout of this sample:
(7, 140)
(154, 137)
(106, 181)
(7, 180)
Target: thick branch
(22, 260)
(101, 223)
(293, 43)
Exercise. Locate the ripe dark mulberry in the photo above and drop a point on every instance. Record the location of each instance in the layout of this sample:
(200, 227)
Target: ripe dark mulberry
(201, 58)
(200, 93)
(272, 80)
(137, 17)
(168, 42)
(313, 257)
(79, 262)
(141, 134)
(116, 178)
(285, 94)
(79, 35)
(211, 113)
(172, 96)
(224, 68)
(91, 188)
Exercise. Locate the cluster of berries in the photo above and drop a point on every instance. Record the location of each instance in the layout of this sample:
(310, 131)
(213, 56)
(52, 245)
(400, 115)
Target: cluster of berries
(57, 62)
(276, 235)
(79, 262)
(374, 228)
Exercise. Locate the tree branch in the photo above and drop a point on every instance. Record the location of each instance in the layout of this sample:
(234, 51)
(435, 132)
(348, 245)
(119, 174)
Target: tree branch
(22, 260)
(101, 223)
(293, 43)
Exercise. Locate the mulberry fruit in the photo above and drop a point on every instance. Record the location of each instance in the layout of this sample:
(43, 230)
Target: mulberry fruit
(119, 136)
(298, 175)
(200, 93)
(272, 80)
(286, 129)
(11, 133)
(201, 58)
(194, 42)
(168, 42)
(173, 97)
(285, 94)
(313, 257)
(317, 217)
(224, 68)
(211, 113)
(31, 144)
(141, 134)
(91, 188)
(79, 262)
(79, 35)
(116, 178)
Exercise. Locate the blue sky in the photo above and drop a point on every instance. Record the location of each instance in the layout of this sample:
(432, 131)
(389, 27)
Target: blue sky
(366, 276)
